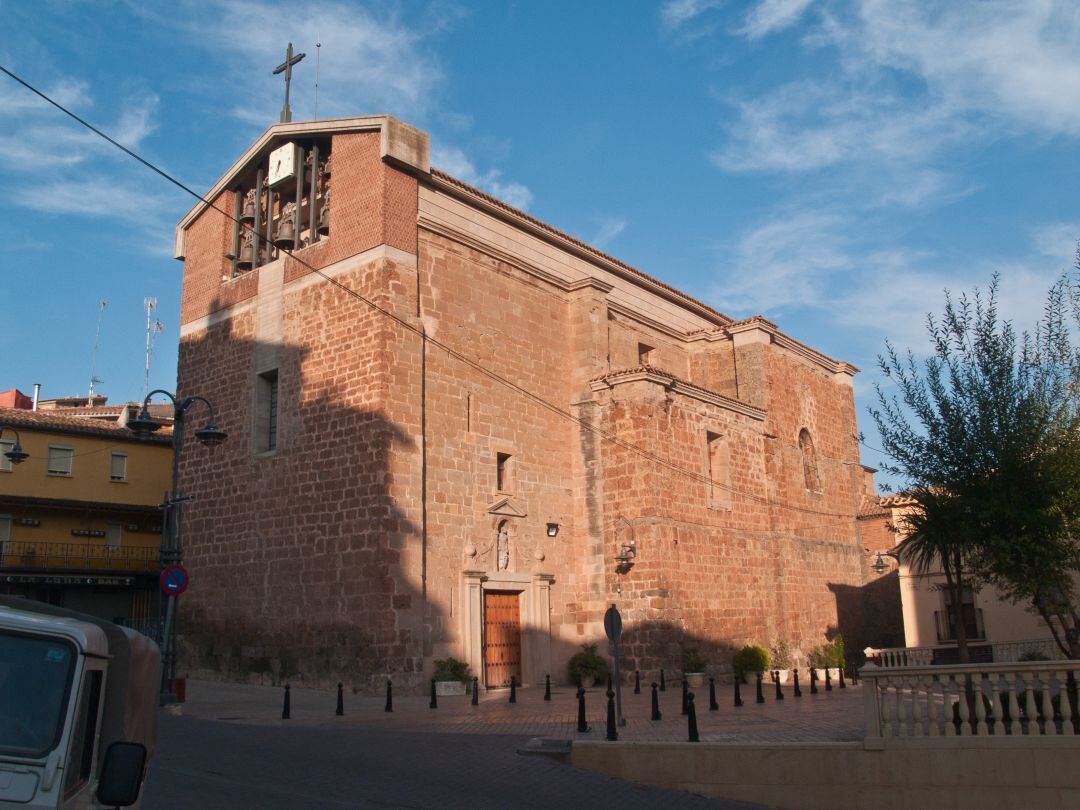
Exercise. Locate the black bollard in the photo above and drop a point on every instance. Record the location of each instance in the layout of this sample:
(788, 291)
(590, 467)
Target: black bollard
(582, 726)
(287, 705)
(713, 705)
(663, 683)
(691, 719)
(842, 685)
(655, 703)
(340, 701)
(738, 697)
(813, 681)
(389, 695)
(798, 691)
(854, 675)
(547, 687)
(828, 680)
(475, 691)
(637, 682)
(684, 693)
(609, 682)
(776, 680)
(513, 688)
(434, 700)
(612, 732)
(760, 696)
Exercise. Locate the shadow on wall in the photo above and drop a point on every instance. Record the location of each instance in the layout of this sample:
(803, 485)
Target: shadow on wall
(870, 615)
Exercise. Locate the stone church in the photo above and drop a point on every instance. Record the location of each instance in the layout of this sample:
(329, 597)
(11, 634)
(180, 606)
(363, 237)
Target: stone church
(456, 431)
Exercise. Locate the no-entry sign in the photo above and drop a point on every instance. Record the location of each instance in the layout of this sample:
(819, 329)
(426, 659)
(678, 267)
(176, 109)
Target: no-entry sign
(174, 580)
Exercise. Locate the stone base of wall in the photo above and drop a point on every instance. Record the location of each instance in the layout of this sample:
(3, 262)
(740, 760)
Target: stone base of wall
(943, 774)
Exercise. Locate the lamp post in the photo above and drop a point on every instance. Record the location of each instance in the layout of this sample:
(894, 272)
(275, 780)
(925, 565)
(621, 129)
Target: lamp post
(172, 508)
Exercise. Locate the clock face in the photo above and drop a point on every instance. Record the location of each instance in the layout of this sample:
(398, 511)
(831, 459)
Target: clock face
(282, 164)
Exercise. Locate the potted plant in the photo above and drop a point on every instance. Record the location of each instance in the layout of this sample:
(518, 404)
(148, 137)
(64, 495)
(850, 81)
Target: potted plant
(587, 667)
(451, 676)
(829, 656)
(751, 658)
(694, 667)
(781, 660)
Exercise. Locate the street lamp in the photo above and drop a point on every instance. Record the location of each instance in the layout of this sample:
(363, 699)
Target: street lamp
(16, 455)
(172, 507)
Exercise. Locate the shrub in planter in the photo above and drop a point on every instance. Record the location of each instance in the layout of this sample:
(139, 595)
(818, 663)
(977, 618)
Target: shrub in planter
(451, 676)
(781, 659)
(587, 667)
(751, 658)
(694, 665)
(829, 656)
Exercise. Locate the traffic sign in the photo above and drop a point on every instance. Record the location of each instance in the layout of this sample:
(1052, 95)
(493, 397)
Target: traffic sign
(613, 624)
(174, 580)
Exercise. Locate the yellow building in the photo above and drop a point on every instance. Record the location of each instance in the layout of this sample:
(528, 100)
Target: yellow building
(80, 524)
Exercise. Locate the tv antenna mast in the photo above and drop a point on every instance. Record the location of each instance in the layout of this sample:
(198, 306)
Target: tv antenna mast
(315, 109)
(94, 379)
(153, 327)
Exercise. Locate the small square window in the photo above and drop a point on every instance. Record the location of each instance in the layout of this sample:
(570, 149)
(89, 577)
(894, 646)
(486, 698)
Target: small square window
(118, 467)
(60, 460)
(646, 354)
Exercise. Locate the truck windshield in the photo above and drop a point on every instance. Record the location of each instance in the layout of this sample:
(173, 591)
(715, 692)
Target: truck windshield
(35, 676)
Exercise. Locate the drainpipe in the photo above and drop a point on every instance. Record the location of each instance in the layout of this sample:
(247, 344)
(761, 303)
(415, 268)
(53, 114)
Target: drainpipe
(37, 393)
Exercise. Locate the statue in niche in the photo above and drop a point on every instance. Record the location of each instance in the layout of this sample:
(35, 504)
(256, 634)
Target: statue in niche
(503, 555)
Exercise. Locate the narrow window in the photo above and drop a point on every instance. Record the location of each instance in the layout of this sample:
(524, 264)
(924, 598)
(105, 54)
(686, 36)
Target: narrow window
(5, 533)
(468, 413)
(118, 467)
(645, 354)
(5, 448)
(81, 763)
(266, 412)
(502, 472)
(60, 459)
(809, 461)
(114, 533)
(719, 489)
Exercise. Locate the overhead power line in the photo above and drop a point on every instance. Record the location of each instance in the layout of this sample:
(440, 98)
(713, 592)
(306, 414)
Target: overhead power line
(492, 375)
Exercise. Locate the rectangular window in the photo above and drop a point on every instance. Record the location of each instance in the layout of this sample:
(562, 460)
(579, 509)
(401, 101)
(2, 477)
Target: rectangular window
(266, 412)
(971, 615)
(5, 462)
(645, 354)
(719, 471)
(114, 534)
(60, 458)
(5, 534)
(118, 467)
(502, 472)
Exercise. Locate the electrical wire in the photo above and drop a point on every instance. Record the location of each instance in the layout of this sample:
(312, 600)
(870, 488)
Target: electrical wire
(539, 400)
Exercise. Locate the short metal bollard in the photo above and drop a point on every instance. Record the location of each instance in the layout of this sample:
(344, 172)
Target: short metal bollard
(612, 732)
(713, 705)
(813, 681)
(828, 680)
(513, 688)
(663, 683)
(475, 691)
(760, 696)
(842, 685)
(340, 710)
(798, 691)
(637, 682)
(738, 697)
(684, 694)
(854, 675)
(434, 699)
(779, 691)
(287, 705)
(547, 687)
(582, 726)
(655, 703)
(691, 719)
(389, 696)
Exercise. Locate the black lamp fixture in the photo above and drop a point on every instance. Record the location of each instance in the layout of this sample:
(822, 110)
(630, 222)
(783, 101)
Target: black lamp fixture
(210, 434)
(16, 455)
(627, 554)
(880, 566)
(142, 424)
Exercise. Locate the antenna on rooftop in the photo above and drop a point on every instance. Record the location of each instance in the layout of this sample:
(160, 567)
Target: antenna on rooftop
(153, 327)
(94, 380)
(315, 109)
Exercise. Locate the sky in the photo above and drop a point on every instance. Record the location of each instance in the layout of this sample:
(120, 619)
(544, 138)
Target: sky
(833, 165)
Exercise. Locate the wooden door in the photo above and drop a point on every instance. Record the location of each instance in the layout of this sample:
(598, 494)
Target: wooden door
(502, 638)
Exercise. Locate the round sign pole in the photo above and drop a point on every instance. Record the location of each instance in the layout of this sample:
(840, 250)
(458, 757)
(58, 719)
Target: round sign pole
(613, 628)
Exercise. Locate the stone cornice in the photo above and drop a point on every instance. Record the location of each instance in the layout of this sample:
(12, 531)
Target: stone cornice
(675, 385)
(760, 324)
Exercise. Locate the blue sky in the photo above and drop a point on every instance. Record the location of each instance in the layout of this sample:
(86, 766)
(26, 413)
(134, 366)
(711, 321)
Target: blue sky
(833, 165)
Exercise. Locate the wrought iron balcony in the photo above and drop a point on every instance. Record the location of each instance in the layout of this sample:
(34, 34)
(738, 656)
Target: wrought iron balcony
(43, 555)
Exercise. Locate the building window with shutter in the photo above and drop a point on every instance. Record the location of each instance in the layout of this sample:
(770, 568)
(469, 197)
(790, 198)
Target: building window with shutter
(114, 535)
(60, 460)
(266, 412)
(118, 467)
(5, 536)
(5, 462)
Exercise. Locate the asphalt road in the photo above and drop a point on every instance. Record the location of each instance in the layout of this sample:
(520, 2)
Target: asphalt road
(212, 765)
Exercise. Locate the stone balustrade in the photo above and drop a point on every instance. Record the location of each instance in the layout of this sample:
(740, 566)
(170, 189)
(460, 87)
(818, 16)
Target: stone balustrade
(996, 701)
(1000, 652)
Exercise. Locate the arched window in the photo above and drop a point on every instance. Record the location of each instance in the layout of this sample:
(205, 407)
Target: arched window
(809, 461)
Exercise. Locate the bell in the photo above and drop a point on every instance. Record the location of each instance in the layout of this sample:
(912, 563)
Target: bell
(247, 256)
(326, 166)
(286, 234)
(324, 215)
(248, 213)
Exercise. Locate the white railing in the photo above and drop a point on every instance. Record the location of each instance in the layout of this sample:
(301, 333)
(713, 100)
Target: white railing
(1037, 698)
(1001, 651)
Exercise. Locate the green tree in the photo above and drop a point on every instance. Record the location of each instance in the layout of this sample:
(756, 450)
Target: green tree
(984, 432)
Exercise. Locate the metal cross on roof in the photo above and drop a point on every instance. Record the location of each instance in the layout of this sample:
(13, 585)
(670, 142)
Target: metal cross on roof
(286, 68)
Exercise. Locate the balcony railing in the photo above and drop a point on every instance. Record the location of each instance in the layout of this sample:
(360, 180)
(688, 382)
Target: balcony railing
(60, 556)
(998, 652)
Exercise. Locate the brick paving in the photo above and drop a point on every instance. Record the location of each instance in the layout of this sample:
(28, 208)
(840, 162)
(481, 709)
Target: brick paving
(835, 716)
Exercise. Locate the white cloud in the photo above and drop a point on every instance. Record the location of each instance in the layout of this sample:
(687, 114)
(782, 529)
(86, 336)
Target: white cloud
(454, 161)
(609, 228)
(770, 16)
(676, 13)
